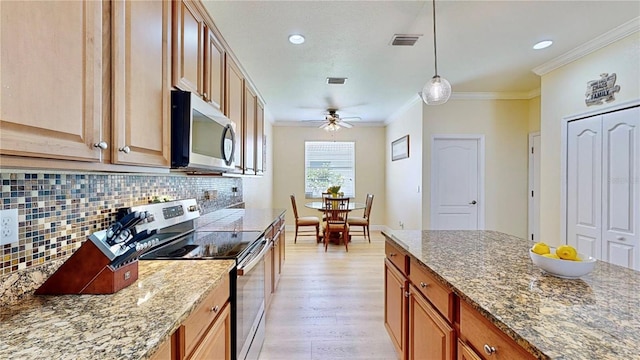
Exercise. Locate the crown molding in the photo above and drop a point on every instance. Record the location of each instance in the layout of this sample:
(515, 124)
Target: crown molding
(589, 47)
(403, 109)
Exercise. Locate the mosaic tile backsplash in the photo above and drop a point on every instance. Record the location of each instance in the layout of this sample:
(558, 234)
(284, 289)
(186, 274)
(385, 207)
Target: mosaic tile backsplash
(57, 211)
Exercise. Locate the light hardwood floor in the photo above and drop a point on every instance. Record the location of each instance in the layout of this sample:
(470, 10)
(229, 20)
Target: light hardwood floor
(329, 305)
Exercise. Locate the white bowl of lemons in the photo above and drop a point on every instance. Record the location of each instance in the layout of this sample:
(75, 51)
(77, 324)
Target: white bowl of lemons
(564, 261)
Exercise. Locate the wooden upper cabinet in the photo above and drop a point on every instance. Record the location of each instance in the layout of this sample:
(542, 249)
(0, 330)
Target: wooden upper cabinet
(51, 71)
(141, 103)
(250, 102)
(260, 144)
(214, 71)
(188, 47)
(234, 107)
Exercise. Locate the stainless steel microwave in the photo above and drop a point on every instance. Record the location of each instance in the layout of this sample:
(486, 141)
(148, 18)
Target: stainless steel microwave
(202, 138)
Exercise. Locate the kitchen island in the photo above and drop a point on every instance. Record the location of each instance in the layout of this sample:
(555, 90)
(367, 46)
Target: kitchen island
(594, 317)
(130, 324)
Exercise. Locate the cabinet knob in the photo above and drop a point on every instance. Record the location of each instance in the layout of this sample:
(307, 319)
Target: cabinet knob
(620, 238)
(489, 350)
(473, 202)
(423, 285)
(102, 145)
(204, 95)
(125, 149)
(392, 254)
(214, 309)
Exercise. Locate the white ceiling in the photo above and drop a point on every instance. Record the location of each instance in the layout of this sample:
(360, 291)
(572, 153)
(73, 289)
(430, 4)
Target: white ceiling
(483, 46)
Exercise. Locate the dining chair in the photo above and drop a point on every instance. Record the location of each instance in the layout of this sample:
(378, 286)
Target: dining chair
(365, 219)
(304, 221)
(336, 211)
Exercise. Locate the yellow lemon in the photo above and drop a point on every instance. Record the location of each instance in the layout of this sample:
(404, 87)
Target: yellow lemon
(577, 258)
(551, 256)
(567, 252)
(540, 248)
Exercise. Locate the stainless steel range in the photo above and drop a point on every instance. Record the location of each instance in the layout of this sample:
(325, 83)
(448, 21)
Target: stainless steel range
(174, 237)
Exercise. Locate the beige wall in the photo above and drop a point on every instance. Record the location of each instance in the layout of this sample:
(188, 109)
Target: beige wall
(288, 166)
(534, 114)
(258, 191)
(563, 95)
(505, 126)
(404, 177)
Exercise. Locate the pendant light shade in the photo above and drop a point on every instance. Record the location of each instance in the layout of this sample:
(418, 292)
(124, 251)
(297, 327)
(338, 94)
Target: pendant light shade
(437, 90)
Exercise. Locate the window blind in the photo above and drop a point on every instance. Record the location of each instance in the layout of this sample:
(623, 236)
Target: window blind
(329, 163)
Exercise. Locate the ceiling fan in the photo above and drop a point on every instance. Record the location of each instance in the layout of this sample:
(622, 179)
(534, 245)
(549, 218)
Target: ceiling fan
(333, 121)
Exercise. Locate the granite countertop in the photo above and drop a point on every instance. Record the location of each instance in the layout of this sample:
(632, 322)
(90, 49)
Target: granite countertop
(594, 317)
(238, 220)
(130, 324)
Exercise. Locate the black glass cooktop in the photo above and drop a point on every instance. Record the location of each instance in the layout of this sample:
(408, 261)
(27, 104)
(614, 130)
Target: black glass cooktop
(205, 245)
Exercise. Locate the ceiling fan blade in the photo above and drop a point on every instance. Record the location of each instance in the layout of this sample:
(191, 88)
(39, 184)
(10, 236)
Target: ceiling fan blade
(323, 125)
(345, 124)
(355, 118)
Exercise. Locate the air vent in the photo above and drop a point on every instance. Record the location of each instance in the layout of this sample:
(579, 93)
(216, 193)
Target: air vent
(336, 80)
(405, 39)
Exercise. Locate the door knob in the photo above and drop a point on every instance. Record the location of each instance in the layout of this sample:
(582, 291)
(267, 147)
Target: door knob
(473, 202)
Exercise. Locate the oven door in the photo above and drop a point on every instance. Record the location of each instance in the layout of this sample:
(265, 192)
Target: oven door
(250, 302)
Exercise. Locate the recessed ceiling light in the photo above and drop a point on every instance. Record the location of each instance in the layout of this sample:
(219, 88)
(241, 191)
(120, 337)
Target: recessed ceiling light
(296, 39)
(542, 44)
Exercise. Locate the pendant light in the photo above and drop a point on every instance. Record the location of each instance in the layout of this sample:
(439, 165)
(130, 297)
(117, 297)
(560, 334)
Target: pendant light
(437, 90)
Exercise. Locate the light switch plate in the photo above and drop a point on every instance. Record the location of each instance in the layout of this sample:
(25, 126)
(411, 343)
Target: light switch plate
(8, 226)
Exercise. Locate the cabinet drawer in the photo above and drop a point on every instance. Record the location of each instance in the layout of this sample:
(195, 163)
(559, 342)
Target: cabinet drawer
(198, 322)
(440, 296)
(483, 336)
(396, 256)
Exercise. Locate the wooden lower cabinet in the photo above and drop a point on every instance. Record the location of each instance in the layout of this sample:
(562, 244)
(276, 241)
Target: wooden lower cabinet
(165, 351)
(216, 344)
(395, 304)
(430, 336)
(466, 353)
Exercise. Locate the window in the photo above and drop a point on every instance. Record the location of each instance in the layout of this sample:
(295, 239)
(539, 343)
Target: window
(329, 163)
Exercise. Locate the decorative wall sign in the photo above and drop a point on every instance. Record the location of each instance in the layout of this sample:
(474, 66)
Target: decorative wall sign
(601, 90)
(400, 148)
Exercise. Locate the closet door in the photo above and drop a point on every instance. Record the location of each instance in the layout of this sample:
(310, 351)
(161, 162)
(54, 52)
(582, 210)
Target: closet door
(621, 188)
(584, 184)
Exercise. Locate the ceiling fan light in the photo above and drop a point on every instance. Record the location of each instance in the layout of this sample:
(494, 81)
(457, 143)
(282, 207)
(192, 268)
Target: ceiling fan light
(436, 91)
(332, 127)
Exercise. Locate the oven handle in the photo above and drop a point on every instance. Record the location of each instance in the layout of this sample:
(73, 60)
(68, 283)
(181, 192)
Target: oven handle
(252, 261)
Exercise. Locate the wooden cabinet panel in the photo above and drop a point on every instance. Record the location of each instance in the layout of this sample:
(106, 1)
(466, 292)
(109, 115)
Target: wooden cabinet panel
(466, 353)
(250, 103)
(483, 336)
(269, 260)
(216, 344)
(430, 336)
(165, 351)
(440, 296)
(234, 109)
(140, 93)
(260, 145)
(396, 256)
(395, 305)
(214, 71)
(188, 46)
(51, 71)
(198, 322)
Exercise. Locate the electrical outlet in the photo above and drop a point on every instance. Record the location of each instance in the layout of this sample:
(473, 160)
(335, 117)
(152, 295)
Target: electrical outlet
(8, 226)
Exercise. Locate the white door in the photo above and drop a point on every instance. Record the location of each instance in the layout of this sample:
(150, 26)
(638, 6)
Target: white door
(534, 186)
(584, 184)
(456, 170)
(621, 190)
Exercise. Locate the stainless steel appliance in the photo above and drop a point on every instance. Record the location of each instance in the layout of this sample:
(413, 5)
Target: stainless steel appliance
(202, 138)
(247, 279)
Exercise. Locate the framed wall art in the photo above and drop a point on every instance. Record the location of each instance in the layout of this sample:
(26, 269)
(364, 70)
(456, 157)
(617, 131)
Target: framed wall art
(400, 148)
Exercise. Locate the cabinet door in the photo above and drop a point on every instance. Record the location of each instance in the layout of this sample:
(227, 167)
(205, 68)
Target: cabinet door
(430, 336)
(466, 353)
(234, 92)
(188, 46)
(276, 261)
(250, 103)
(141, 73)
(214, 71)
(268, 276)
(260, 144)
(51, 96)
(216, 344)
(621, 188)
(395, 285)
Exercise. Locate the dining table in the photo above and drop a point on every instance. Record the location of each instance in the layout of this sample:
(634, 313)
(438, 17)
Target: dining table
(319, 205)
